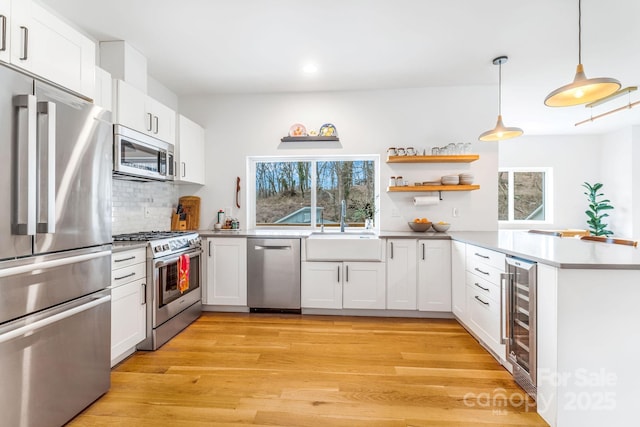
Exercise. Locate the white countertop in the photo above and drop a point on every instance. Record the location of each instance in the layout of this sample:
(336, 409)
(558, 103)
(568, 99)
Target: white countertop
(563, 252)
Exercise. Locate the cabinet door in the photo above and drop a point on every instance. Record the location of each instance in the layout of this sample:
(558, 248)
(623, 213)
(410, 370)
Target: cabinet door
(190, 152)
(401, 274)
(321, 285)
(484, 320)
(5, 30)
(128, 317)
(458, 280)
(163, 121)
(363, 285)
(52, 48)
(434, 275)
(226, 271)
(131, 107)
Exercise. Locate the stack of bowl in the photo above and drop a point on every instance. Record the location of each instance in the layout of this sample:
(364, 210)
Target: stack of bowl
(466, 178)
(450, 180)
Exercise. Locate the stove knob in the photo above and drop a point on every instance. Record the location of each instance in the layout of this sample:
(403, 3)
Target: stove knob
(165, 247)
(157, 249)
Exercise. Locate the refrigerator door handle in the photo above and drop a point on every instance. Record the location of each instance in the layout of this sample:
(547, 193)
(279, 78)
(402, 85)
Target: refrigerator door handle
(46, 221)
(24, 214)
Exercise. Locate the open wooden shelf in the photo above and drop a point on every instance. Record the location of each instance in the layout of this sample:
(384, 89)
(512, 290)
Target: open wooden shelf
(308, 138)
(421, 188)
(462, 158)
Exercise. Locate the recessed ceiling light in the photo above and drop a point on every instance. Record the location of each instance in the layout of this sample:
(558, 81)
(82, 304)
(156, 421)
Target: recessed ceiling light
(310, 69)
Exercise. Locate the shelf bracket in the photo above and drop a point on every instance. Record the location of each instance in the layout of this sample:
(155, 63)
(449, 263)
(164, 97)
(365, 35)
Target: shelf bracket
(440, 195)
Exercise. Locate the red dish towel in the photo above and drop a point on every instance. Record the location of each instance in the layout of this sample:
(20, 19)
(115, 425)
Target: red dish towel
(183, 273)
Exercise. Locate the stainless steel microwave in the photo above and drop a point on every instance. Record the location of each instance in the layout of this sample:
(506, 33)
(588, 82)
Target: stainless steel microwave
(138, 155)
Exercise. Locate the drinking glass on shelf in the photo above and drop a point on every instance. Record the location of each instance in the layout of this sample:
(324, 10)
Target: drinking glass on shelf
(460, 148)
(435, 151)
(468, 148)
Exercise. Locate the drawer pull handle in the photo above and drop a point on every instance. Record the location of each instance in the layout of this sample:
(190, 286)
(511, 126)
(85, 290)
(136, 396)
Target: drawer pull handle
(125, 276)
(478, 298)
(480, 271)
(484, 289)
(124, 259)
(482, 256)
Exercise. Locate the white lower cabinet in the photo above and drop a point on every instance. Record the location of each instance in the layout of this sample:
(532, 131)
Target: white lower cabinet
(337, 285)
(226, 271)
(128, 302)
(401, 274)
(434, 275)
(458, 280)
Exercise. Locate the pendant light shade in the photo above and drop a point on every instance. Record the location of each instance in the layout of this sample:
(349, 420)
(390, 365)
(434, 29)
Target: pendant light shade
(500, 132)
(582, 90)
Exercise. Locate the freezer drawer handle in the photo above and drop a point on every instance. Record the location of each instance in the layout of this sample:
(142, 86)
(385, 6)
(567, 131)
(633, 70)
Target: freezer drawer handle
(24, 215)
(46, 154)
(125, 276)
(23, 330)
(51, 264)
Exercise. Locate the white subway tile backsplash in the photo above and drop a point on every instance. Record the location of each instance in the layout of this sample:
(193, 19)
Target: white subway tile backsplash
(129, 200)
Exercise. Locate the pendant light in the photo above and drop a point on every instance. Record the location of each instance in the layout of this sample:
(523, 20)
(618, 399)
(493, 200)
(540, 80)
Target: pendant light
(500, 132)
(582, 90)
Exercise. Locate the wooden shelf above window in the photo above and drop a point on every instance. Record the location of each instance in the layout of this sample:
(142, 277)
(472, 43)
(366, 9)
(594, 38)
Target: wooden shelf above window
(423, 188)
(462, 158)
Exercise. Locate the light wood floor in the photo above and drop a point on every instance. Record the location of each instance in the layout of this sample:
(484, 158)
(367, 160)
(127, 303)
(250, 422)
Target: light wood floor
(288, 370)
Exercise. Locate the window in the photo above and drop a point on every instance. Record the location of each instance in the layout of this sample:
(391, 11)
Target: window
(305, 192)
(524, 195)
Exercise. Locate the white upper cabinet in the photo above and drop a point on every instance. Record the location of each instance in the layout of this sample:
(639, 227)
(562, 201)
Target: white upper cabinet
(136, 110)
(5, 30)
(40, 42)
(190, 152)
(103, 94)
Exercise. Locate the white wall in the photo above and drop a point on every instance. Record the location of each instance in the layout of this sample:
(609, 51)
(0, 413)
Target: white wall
(368, 122)
(635, 182)
(574, 159)
(616, 168)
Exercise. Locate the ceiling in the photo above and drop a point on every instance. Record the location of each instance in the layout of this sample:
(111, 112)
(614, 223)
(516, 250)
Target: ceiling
(261, 46)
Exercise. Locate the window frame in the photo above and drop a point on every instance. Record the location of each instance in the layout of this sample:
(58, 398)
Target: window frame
(251, 185)
(548, 196)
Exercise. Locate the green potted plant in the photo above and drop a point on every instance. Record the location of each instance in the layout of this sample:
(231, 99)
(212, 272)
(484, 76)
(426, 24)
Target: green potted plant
(597, 210)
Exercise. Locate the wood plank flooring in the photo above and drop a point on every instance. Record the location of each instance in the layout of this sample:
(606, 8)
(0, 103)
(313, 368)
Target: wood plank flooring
(288, 370)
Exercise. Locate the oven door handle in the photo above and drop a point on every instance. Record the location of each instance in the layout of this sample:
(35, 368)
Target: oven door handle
(164, 262)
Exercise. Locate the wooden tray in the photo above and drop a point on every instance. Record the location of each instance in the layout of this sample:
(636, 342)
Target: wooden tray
(191, 206)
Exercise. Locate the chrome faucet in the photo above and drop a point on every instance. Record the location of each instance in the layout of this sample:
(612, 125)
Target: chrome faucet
(343, 214)
(322, 221)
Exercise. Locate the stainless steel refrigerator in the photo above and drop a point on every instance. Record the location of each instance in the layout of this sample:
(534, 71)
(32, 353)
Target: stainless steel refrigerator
(55, 253)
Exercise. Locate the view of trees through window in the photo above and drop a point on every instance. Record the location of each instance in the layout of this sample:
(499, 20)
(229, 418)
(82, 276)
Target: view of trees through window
(521, 195)
(283, 192)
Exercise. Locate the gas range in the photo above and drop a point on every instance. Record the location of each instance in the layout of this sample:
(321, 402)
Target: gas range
(163, 243)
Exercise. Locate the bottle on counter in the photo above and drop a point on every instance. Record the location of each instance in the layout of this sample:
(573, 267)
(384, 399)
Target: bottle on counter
(220, 216)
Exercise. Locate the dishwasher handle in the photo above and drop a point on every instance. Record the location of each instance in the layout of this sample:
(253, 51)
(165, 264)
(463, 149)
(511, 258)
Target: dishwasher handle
(272, 247)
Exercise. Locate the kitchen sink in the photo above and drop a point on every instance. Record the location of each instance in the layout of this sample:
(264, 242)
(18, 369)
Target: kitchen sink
(343, 246)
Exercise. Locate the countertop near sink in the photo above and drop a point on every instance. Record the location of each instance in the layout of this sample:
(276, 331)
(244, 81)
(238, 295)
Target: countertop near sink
(307, 233)
(563, 252)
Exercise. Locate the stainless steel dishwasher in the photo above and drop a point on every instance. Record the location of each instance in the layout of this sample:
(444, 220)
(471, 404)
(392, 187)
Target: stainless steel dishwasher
(273, 275)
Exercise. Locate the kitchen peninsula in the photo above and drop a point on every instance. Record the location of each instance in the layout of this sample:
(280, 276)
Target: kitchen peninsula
(587, 296)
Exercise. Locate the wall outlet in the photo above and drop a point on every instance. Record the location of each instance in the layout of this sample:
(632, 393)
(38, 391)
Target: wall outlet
(455, 212)
(147, 212)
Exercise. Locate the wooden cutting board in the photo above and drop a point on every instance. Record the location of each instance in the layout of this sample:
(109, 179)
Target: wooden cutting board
(191, 206)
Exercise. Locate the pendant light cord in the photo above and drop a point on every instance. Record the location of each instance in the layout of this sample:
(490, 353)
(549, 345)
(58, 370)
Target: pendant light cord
(500, 88)
(579, 31)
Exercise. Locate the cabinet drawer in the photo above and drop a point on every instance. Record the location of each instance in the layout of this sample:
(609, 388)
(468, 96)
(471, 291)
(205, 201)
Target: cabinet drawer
(477, 255)
(125, 275)
(484, 287)
(484, 319)
(486, 272)
(127, 258)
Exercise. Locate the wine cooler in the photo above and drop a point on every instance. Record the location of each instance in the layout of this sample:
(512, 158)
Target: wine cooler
(520, 328)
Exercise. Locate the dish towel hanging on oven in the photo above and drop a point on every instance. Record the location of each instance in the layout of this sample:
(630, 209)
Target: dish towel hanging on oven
(183, 273)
